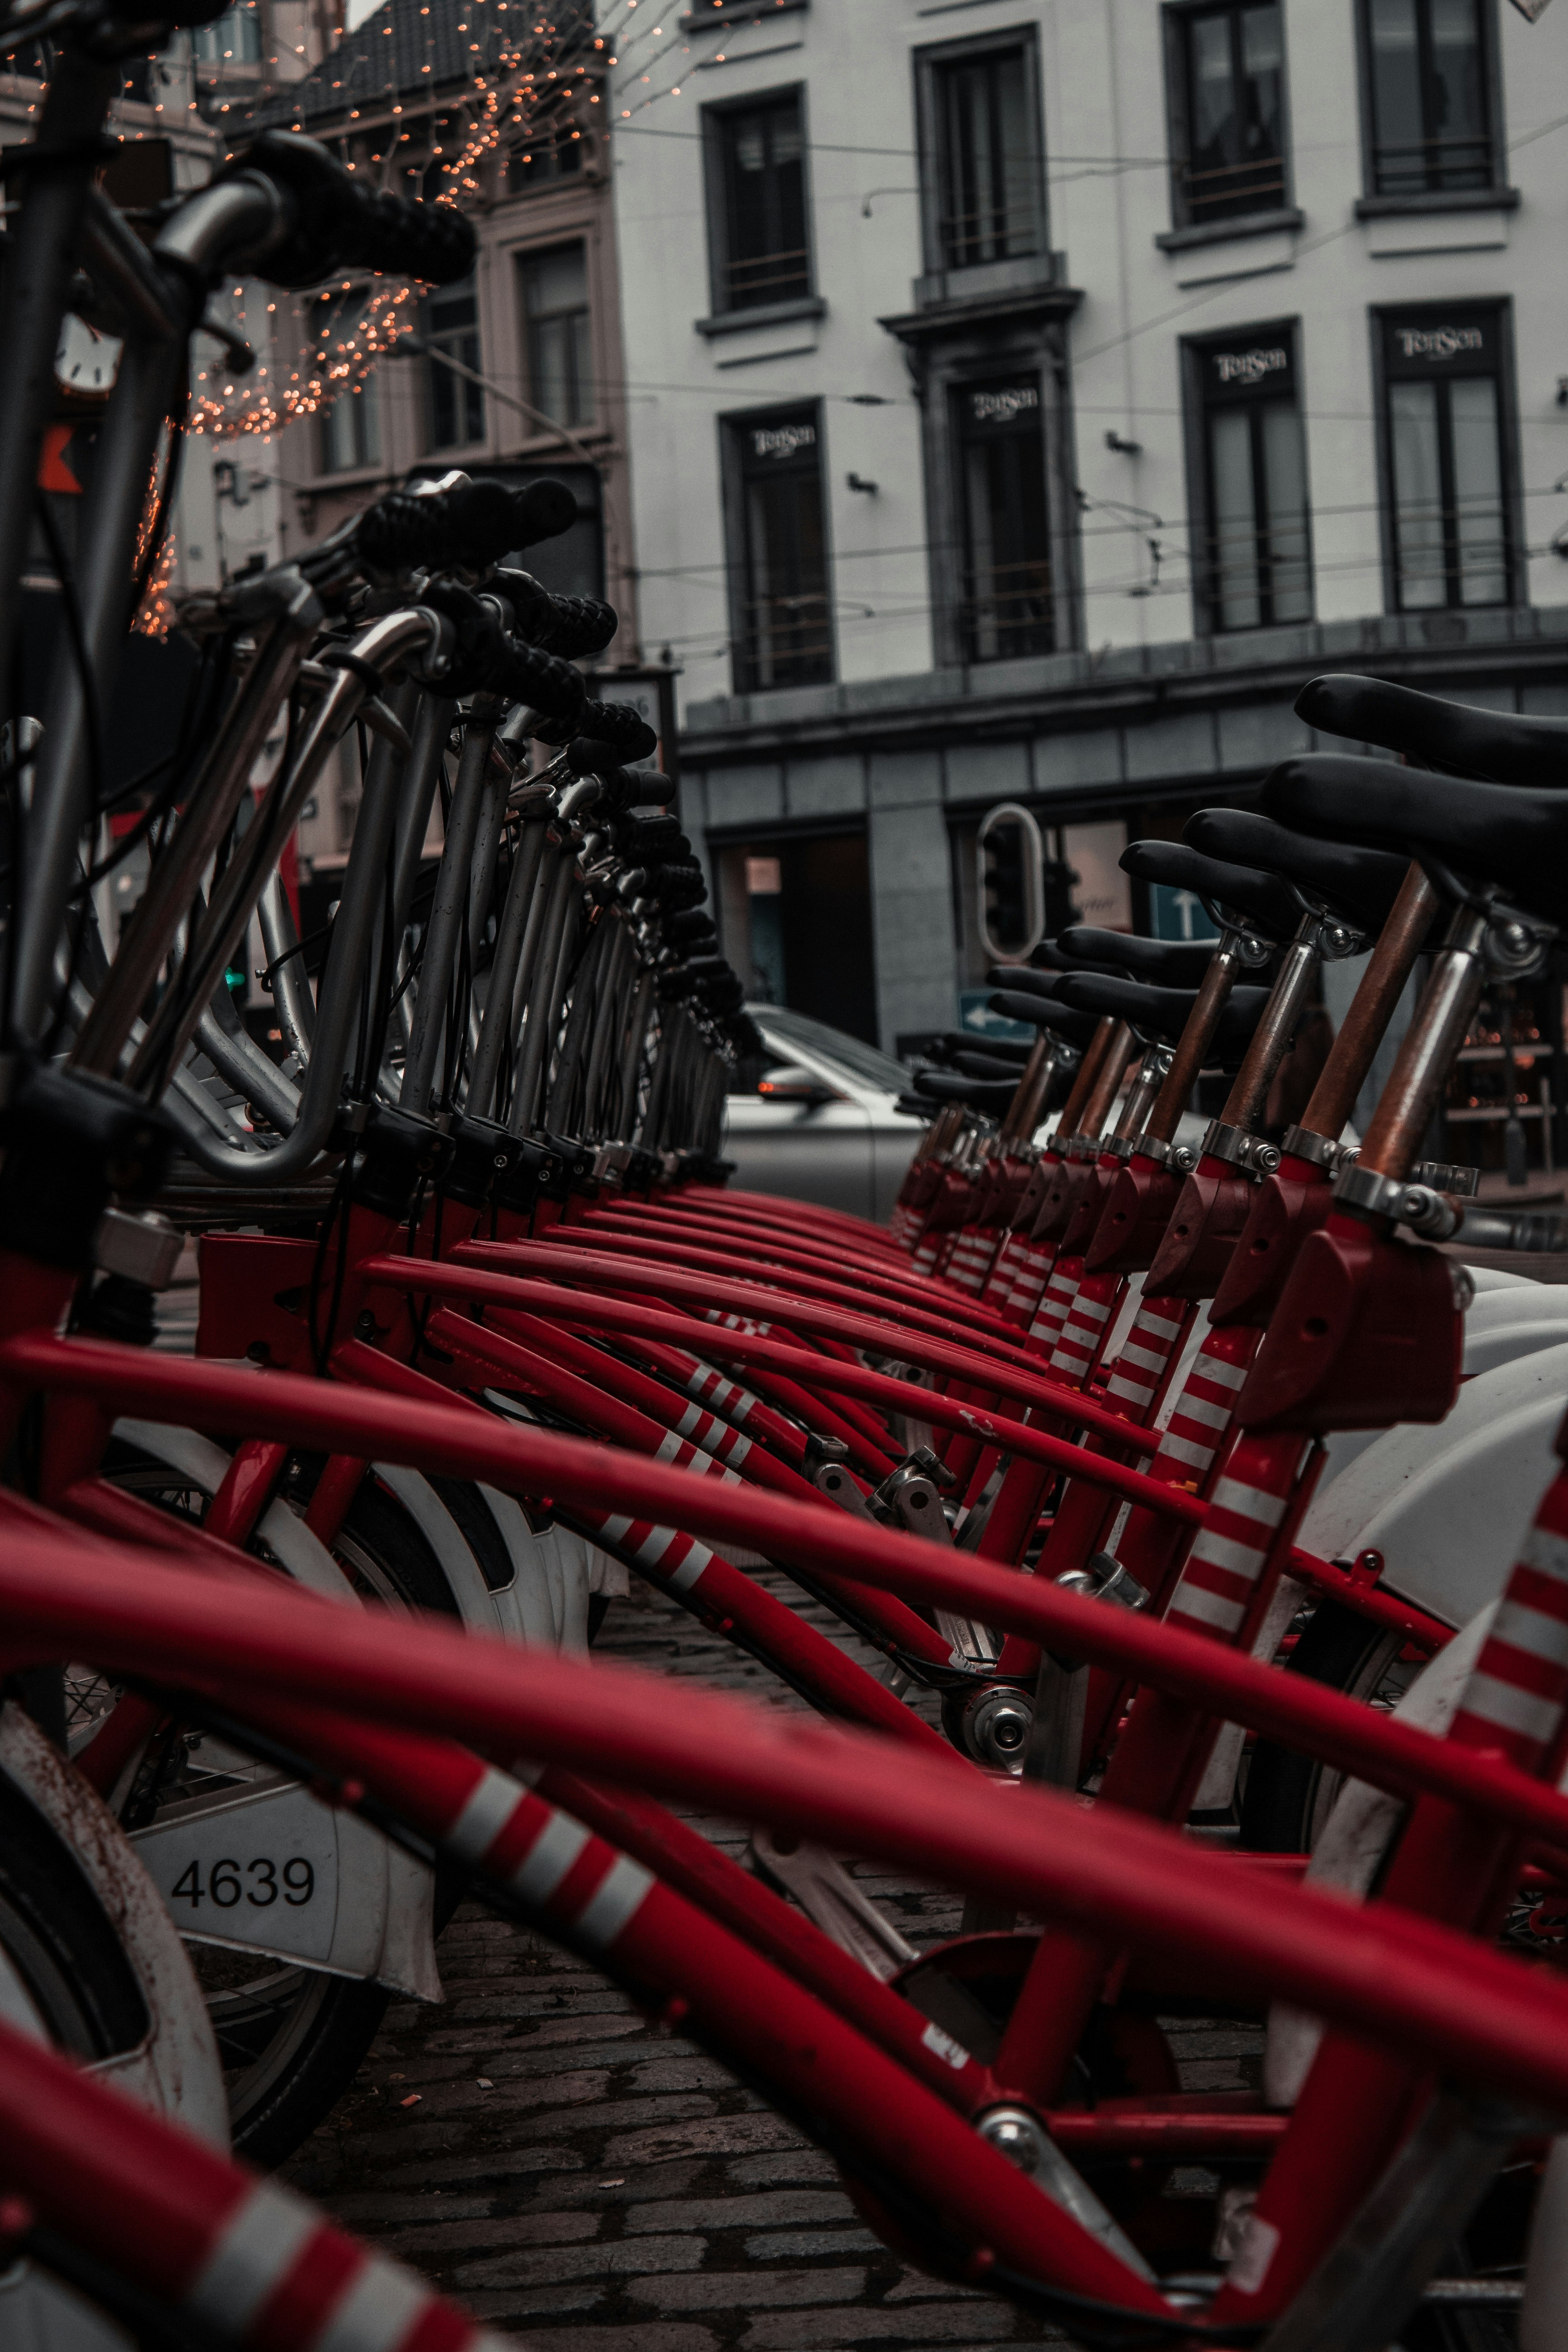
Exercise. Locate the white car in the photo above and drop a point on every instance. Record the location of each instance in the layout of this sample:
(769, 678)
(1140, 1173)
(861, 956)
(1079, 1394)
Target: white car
(821, 1123)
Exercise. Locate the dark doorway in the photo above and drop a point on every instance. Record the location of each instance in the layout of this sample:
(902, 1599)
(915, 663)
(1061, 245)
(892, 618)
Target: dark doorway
(797, 926)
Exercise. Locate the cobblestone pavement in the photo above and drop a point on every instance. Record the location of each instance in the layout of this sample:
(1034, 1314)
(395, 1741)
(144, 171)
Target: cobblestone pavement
(589, 2181)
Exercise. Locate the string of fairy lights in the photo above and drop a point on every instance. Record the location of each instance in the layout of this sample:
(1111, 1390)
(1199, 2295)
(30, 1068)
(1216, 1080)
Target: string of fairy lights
(503, 78)
(516, 81)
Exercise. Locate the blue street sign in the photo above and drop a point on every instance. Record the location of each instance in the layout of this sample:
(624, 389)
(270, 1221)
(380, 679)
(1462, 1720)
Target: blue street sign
(974, 1012)
(1179, 914)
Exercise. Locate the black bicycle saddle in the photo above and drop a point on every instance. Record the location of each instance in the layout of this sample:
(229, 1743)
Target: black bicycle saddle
(974, 1041)
(976, 1065)
(1497, 833)
(1023, 980)
(990, 1095)
(1454, 737)
(1264, 904)
(1051, 956)
(1013, 1004)
(1162, 1012)
(1164, 963)
(1358, 885)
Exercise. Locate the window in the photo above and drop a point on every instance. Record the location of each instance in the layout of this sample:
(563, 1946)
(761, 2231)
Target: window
(233, 39)
(783, 633)
(1257, 557)
(1007, 608)
(1444, 425)
(556, 153)
(1429, 75)
(758, 155)
(554, 294)
(1228, 112)
(351, 430)
(457, 409)
(988, 159)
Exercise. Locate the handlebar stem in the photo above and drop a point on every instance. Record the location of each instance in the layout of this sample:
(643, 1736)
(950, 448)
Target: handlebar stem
(37, 278)
(448, 910)
(291, 997)
(498, 1025)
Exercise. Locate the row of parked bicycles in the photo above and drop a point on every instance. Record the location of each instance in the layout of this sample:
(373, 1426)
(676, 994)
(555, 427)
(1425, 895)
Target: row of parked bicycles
(1197, 1505)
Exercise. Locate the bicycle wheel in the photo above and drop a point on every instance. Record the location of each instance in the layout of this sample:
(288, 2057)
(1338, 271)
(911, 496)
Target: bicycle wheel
(291, 2037)
(1288, 1797)
(95, 1968)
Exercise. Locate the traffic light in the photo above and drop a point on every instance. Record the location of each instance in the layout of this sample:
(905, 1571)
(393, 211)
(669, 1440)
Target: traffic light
(1011, 883)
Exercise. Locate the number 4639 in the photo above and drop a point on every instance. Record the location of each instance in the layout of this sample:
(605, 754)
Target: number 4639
(226, 1886)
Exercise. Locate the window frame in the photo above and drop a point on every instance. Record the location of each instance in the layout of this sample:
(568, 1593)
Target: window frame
(327, 472)
(960, 442)
(523, 256)
(434, 337)
(717, 118)
(350, 305)
(1196, 409)
(1176, 18)
(733, 478)
(1371, 204)
(1381, 317)
(931, 64)
(566, 137)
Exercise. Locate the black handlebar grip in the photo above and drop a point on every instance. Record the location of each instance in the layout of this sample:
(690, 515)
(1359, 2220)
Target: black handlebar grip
(616, 723)
(477, 522)
(432, 530)
(330, 224)
(641, 836)
(585, 755)
(544, 509)
(573, 626)
(649, 789)
(580, 626)
(549, 685)
(401, 237)
(485, 660)
(723, 995)
(693, 927)
(472, 525)
(675, 889)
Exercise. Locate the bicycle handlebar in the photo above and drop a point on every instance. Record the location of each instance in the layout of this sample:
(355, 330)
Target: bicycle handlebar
(615, 727)
(487, 660)
(472, 524)
(572, 626)
(330, 224)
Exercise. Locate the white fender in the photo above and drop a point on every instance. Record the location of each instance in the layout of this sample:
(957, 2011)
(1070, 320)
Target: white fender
(1449, 1506)
(380, 1921)
(1543, 2321)
(175, 2070)
(304, 1555)
(528, 1607)
(562, 1567)
(1349, 1854)
(1503, 1322)
(1503, 1325)
(1499, 1278)
(446, 1540)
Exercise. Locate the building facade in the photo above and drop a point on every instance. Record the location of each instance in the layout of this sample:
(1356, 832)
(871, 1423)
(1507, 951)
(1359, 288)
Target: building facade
(1026, 398)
